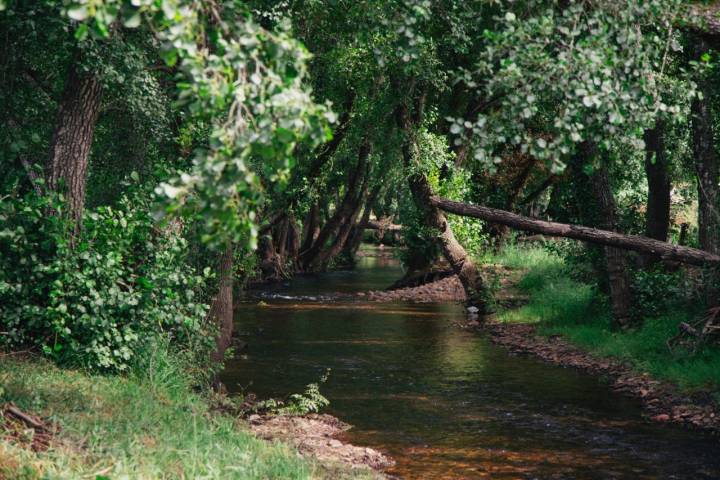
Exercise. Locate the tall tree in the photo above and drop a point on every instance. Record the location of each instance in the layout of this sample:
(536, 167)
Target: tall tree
(72, 139)
(422, 193)
(657, 215)
(705, 158)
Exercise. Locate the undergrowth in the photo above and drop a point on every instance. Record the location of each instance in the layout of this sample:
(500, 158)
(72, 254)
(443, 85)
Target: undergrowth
(140, 427)
(560, 304)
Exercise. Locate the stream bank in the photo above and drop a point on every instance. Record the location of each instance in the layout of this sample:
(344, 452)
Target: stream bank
(662, 401)
(443, 401)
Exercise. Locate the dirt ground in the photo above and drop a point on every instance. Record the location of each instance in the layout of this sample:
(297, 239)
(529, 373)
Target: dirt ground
(314, 435)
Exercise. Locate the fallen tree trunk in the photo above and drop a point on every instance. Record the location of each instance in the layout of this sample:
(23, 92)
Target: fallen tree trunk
(387, 227)
(664, 250)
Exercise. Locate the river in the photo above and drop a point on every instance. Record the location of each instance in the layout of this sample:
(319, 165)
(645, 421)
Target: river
(442, 401)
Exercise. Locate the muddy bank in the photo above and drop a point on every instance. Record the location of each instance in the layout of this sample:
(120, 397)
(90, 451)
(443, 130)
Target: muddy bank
(315, 435)
(661, 401)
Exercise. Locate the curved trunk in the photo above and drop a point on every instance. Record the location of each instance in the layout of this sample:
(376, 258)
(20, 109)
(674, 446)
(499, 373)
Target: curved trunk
(72, 139)
(461, 263)
(343, 232)
(358, 230)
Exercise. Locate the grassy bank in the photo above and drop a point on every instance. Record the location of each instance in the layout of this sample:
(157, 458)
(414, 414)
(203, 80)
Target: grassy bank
(141, 428)
(561, 305)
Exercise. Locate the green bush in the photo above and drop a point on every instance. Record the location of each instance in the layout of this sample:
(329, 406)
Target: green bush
(100, 302)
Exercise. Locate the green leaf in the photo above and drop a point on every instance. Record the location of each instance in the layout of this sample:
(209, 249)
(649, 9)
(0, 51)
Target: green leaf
(81, 32)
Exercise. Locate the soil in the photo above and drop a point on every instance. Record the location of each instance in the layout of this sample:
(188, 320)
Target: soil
(315, 435)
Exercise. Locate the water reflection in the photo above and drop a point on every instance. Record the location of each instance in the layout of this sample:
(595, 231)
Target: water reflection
(445, 403)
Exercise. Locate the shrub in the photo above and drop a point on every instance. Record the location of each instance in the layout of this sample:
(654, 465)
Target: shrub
(99, 302)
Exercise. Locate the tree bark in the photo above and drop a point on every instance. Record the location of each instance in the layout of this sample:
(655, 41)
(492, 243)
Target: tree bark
(619, 281)
(461, 263)
(311, 228)
(667, 251)
(356, 233)
(221, 310)
(657, 215)
(312, 258)
(379, 225)
(706, 161)
(72, 139)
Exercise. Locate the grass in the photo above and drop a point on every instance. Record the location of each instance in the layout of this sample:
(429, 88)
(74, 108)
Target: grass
(152, 427)
(561, 305)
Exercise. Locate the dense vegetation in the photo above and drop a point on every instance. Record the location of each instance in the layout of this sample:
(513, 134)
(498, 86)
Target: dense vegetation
(156, 155)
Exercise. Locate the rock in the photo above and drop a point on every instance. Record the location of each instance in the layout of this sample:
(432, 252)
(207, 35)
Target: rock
(663, 417)
(472, 310)
(335, 443)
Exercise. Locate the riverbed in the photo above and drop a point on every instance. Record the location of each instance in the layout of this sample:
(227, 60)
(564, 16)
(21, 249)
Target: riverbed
(445, 402)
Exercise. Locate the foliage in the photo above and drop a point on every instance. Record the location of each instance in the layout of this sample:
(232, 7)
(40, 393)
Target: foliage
(310, 401)
(248, 83)
(584, 72)
(656, 291)
(99, 302)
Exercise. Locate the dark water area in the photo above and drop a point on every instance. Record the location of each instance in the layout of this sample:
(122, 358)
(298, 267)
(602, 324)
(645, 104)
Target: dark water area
(445, 402)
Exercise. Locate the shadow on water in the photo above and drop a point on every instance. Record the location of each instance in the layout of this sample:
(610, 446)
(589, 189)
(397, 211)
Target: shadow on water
(444, 402)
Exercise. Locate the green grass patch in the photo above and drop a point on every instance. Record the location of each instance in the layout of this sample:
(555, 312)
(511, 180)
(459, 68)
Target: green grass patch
(153, 427)
(561, 305)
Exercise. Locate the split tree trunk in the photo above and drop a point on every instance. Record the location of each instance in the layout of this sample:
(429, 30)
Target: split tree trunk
(667, 251)
(72, 139)
(461, 263)
(221, 310)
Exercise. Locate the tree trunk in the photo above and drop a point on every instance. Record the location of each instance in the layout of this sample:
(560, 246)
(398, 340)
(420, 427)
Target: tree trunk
(619, 281)
(72, 139)
(311, 228)
(310, 259)
(667, 251)
(293, 240)
(344, 231)
(356, 233)
(706, 161)
(221, 310)
(460, 261)
(657, 216)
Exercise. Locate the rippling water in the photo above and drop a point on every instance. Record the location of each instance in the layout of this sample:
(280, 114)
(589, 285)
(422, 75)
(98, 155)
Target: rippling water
(444, 402)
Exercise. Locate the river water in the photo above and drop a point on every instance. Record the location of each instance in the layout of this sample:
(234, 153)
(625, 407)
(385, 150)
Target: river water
(445, 402)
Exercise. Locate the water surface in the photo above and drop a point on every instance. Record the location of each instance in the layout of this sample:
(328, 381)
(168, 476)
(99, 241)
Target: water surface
(445, 402)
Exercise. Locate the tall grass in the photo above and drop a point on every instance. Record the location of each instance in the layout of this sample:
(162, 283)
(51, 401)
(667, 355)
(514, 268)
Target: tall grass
(561, 305)
(142, 427)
